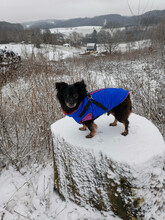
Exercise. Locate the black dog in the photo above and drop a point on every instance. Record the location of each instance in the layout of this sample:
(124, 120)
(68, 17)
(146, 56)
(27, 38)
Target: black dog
(77, 103)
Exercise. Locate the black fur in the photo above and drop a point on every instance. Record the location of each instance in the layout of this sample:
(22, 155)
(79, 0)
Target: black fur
(73, 94)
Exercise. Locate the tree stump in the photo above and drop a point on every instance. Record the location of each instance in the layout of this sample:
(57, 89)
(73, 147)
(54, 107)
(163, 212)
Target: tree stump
(110, 171)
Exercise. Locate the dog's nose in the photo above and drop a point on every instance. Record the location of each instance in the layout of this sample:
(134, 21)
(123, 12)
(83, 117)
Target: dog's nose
(71, 101)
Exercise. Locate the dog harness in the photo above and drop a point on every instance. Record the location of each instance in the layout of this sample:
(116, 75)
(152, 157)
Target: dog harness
(97, 103)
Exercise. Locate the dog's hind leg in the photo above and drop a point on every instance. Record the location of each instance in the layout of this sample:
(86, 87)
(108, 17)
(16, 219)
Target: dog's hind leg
(114, 123)
(126, 128)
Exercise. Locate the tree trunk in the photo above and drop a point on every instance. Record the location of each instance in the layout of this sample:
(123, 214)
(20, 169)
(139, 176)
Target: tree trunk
(88, 176)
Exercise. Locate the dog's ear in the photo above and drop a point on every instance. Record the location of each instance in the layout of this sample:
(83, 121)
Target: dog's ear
(81, 85)
(61, 85)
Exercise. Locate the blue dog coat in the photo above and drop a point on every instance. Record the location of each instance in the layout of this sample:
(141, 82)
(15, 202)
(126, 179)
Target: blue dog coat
(108, 97)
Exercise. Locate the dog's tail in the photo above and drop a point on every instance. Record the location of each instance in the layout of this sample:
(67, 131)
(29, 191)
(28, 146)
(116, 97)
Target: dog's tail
(130, 108)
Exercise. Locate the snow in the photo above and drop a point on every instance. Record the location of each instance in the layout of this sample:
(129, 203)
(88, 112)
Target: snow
(81, 30)
(60, 52)
(123, 47)
(139, 157)
(31, 196)
(50, 52)
(143, 142)
(84, 30)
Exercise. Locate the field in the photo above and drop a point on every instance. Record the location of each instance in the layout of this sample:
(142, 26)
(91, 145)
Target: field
(81, 30)
(50, 52)
(61, 52)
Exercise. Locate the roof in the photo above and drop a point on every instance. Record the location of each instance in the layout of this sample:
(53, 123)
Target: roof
(91, 44)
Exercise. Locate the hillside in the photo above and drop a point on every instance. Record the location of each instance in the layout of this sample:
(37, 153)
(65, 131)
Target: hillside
(150, 17)
(43, 24)
(5, 26)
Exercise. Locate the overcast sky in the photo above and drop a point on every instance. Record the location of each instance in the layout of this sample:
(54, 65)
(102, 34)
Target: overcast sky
(17, 11)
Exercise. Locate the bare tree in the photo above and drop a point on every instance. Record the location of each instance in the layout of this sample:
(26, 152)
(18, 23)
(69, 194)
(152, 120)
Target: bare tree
(158, 35)
(75, 39)
(109, 39)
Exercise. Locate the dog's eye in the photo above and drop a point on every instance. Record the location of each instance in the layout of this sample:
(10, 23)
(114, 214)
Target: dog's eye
(75, 96)
(66, 96)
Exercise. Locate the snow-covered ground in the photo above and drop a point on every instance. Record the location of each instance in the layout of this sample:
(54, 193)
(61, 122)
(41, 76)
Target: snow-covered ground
(58, 52)
(31, 196)
(123, 47)
(49, 51)
(81, 30)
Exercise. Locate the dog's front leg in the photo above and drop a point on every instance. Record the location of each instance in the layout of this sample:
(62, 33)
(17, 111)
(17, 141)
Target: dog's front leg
(84, 128)
(92, 127)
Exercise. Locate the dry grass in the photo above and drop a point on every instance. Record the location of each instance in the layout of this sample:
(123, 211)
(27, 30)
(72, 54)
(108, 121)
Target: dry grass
(28, 105)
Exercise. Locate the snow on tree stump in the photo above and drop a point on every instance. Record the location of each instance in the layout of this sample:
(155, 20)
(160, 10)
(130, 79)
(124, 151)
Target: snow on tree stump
(110, 171)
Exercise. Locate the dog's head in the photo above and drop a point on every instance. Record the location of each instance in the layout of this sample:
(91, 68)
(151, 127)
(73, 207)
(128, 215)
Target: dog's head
(70, 96)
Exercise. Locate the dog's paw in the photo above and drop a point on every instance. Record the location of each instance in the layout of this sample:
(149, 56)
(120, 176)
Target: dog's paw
(82, 129)
(112, 124)
(89, 136)
(124, 133)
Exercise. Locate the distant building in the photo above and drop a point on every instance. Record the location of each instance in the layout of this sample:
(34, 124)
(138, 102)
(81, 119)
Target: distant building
(91, 47)
(66, 45)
